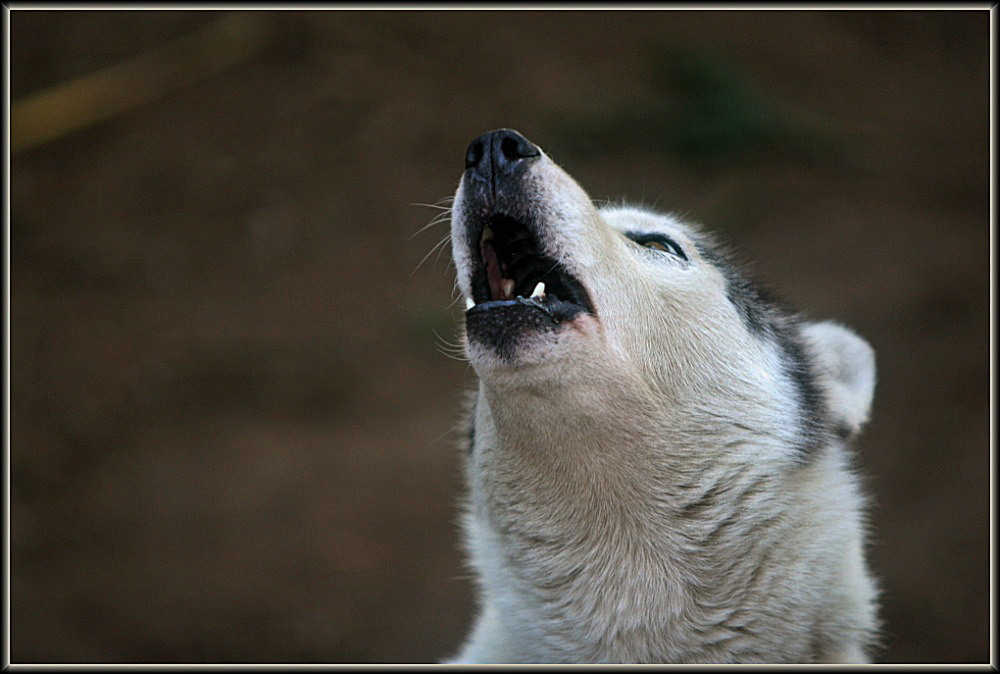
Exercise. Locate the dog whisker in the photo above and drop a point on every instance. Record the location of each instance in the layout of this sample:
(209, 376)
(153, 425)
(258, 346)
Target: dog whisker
(439, 246)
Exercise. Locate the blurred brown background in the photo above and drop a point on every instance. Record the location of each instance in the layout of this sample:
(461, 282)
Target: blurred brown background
(232, 413)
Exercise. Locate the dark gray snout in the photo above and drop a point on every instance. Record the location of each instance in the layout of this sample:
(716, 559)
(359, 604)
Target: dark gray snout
(497, 156)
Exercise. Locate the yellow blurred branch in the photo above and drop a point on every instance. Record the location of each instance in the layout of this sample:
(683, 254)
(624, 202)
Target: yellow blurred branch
(73, 105)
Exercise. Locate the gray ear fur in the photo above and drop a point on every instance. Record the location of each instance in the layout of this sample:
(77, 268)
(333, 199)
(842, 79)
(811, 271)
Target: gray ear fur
(846, 367)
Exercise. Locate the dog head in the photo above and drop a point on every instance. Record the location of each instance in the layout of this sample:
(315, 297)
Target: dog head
(567, 295)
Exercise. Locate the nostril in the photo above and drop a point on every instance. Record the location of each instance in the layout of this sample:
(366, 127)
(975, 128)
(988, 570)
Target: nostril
(509, 148)
(474, 154)
(515, 146)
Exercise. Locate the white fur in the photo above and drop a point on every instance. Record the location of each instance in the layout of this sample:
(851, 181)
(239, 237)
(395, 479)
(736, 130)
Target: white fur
(635, 494)
(848, 368)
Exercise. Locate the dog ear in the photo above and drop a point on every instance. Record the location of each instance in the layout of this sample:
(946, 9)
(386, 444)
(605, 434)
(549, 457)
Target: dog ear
(845, 366)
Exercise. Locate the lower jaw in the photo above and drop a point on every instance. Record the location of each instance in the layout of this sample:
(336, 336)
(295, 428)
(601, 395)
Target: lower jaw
(502, 327)
(514, 333)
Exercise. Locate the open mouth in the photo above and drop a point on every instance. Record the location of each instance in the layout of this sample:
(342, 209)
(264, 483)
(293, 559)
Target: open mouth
(513, 271)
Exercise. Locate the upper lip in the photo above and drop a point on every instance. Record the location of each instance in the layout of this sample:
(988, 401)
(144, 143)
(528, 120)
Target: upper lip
(510, 263)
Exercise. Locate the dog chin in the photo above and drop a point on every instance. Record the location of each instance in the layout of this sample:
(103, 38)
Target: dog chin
(515, 339)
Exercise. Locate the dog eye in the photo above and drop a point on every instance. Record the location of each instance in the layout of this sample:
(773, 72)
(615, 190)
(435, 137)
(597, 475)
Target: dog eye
(658, 242)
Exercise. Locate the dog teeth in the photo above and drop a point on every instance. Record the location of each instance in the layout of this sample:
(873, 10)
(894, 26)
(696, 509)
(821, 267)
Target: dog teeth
(507, 287)
(469, 303)
(487, 234)
(539, 290)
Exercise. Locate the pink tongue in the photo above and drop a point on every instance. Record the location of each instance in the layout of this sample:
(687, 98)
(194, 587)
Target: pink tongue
(493, 273)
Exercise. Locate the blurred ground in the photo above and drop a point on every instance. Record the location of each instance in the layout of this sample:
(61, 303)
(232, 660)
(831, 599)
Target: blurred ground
(231, 417)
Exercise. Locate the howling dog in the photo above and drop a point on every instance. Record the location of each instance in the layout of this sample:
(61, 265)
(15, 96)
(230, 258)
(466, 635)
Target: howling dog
(658, 465)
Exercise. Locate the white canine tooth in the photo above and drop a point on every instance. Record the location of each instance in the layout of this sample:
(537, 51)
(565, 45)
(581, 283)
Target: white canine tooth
(539, 290)
(507, 287)
(469, 303)
(487, 234)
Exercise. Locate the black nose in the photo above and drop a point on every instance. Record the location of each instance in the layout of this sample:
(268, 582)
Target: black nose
(497, 154)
